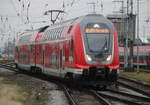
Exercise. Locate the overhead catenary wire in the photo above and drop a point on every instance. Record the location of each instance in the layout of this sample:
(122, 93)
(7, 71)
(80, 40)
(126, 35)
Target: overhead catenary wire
(15, 9)
(69, 5)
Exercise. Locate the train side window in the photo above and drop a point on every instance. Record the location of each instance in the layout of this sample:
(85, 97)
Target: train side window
(44, 38)
(62, 32)
(52, 35)
(48, 35)
(48, 38)
(50, 62)
(70, 28)
(54, 60)
(59, 33)
(55, 33)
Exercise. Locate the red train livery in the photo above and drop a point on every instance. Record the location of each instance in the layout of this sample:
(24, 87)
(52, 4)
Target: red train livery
(143, 53)
(83, 48)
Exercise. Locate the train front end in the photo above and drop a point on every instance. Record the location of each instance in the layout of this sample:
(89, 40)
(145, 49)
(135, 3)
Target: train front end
(100, 60)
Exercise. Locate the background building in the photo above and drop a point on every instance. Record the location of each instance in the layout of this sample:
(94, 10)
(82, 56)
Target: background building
(125, 27)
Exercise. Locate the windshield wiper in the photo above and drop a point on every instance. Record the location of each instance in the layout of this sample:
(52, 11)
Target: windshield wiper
(105, 46)
(104, 49)
(87, 40)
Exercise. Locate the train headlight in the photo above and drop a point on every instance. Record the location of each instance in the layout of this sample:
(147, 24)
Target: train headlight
(108, 58)
(88, 58)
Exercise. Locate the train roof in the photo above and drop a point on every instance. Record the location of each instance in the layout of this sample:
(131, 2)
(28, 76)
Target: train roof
(82, 20)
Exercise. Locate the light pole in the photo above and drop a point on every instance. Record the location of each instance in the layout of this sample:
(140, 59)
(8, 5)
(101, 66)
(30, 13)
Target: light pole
(138, 34)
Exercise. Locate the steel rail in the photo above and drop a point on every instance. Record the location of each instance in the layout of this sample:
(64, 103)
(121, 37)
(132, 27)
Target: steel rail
(100, 98)
(134, 81)
(117, 97)
(8, 67)
(146, 99)
(68, 95)
(134, 88)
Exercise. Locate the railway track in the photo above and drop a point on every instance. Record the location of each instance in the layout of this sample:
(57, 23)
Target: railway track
(9, 66)
(75, 96)
(83, 96)
(125, 97)
(135, 85)
(68, 95)
(63, 87)
(103, 100)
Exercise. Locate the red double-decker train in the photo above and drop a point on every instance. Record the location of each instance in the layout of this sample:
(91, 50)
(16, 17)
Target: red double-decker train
(84, 48)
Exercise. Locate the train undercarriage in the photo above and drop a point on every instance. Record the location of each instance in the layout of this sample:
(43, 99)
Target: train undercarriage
(95, 76)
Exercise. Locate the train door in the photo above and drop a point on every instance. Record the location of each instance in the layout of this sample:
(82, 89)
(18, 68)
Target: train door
(32, 55)
(60, 60)
(43, 57)
(38, 55)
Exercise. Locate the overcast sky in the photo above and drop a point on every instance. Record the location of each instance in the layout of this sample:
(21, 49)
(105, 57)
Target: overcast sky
(17, 15)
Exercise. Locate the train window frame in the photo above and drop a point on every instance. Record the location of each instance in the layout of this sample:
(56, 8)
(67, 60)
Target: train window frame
(52, 34)
(60, 33)
(49, 35)
(98, 34)
(55, 34)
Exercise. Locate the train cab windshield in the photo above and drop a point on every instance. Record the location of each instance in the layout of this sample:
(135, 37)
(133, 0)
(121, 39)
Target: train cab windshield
(98, 41)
